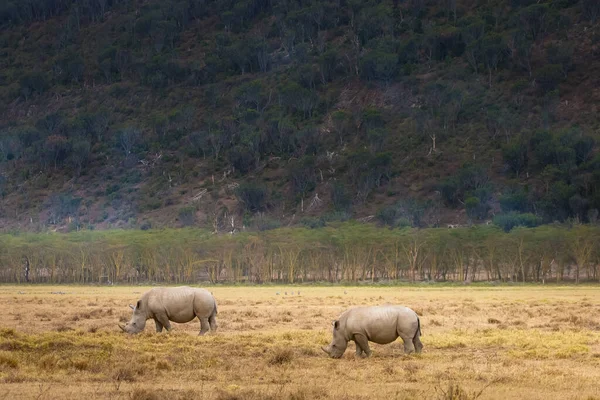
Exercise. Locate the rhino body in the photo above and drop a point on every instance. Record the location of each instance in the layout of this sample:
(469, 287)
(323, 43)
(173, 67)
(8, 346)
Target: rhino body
(377, 324)
(178, 304)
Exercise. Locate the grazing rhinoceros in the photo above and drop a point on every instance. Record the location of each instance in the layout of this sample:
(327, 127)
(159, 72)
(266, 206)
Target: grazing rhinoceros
(378, 324)
(178, 304)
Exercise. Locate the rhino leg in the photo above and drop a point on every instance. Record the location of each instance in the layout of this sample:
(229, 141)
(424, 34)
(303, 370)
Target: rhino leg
(204, 326)
(362, 345)
(163, 320)
(417, 342)
(159, 326)
(212, 320)
(408, 344)
(359, 351)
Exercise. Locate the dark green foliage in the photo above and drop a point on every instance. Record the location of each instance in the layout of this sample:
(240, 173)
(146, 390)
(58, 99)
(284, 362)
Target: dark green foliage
(476, 209)
(535, 19)
(549, 76)
(590, 10)
(378, 65)
(33, 83)
(372, 118)
(252, 196)
(563, 149)
(562, 55)
(69, 69)
(342, 127)
(515, 200)
(583, 147)
(187, 215)
(313, 223)
(340, 198)
(515, 156)
(407, 212)
(555, 205)
(80, 153)
(263, 222)
(243, 158)
(302, 176)
(468, 181)
(510, 220)
(252, 95)
(62, 206)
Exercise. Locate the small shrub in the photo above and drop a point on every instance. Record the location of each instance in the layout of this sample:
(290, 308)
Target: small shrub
(124, 373)
(8, 360)
(509, 220)
(187, 215)
(164, 365)
(63, 328)
(252, 196)
(146, 225)
(281, 356)
(48, 362)
(312, 222)
(456, 392)
(81, 364)
(341, 199)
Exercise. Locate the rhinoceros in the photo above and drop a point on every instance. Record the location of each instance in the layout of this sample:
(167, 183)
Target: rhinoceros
(378, 324)
(178, 304)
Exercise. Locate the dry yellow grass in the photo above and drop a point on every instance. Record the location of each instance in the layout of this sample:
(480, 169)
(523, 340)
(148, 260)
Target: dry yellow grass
(498, 343)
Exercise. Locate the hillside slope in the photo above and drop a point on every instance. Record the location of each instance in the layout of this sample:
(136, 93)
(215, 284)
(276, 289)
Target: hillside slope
(232, 114)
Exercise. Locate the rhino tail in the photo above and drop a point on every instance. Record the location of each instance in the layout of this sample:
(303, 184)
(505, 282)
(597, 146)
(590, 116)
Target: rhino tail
(418, 332)
(215, 312)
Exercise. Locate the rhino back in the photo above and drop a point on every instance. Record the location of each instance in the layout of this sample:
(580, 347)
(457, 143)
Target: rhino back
(380, 324)
(181, 304)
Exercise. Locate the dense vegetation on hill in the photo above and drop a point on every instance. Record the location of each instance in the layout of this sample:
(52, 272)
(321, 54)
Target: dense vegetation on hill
(258, 113)
(341, 252)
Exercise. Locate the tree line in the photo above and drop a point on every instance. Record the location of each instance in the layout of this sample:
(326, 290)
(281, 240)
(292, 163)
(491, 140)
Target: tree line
(345, 252)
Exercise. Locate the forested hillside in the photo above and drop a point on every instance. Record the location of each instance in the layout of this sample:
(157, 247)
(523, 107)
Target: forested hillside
(260, 114)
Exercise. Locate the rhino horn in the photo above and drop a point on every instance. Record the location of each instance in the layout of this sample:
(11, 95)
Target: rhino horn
(325, 349)
(122, 327)
(132, 307)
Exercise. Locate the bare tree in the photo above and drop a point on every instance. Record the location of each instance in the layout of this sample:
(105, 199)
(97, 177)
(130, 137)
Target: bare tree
(128, 139)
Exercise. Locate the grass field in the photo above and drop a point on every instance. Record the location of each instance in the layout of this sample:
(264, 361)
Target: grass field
(60, 342)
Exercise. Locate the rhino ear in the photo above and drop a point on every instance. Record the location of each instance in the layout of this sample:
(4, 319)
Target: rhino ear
(139, 304)
(336, 324)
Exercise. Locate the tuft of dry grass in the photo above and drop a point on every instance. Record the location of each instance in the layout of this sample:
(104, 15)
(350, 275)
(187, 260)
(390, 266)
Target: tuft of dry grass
(281, 356)
(456, 392)
(8, 360)
(124, 373)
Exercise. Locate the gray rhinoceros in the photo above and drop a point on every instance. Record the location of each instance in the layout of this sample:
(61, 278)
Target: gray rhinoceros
(378, 324)
(178, 304)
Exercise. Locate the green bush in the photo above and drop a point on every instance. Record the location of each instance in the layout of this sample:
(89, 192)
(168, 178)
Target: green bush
(515, 156)
(340, 197)
(509, 220)
(252, 196)
(187, 215)
(549, 76)
(515, 200)
(313, 222)
(476, 209)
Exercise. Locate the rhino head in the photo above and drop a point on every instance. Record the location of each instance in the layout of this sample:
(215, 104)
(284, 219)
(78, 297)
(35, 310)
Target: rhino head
(138, 320)
(338, 344)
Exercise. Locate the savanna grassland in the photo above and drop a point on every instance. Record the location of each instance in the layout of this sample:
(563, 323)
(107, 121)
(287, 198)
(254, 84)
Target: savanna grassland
(500, 342)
